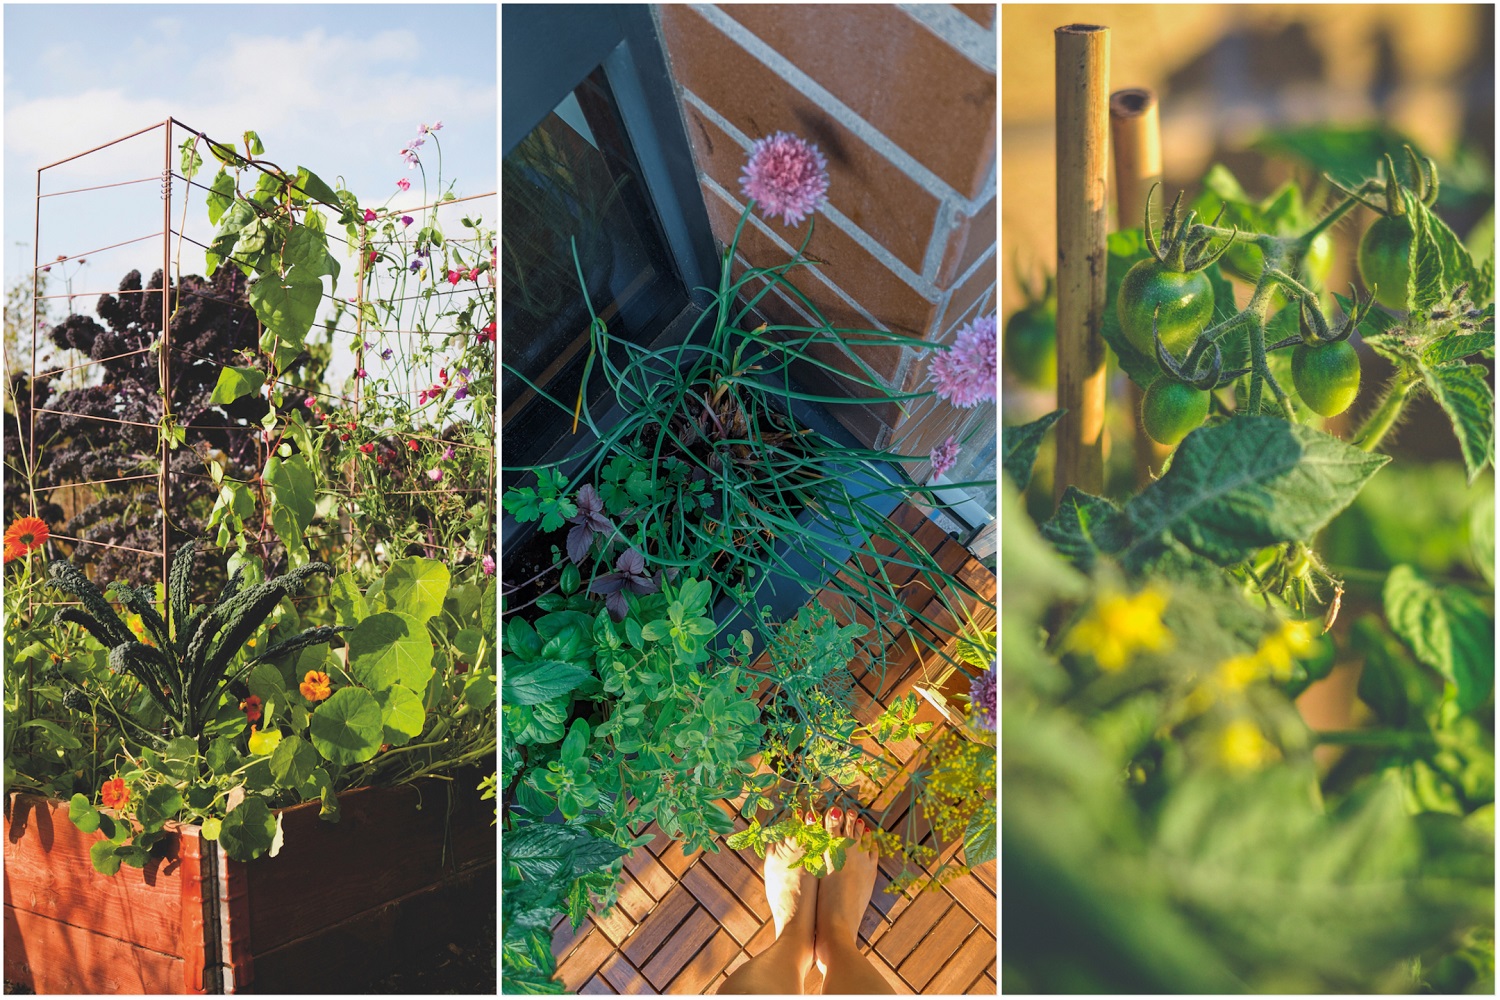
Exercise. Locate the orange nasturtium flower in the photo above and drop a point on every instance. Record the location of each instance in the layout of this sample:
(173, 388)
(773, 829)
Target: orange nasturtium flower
(315, 686)
(114, 794)
(26, 535)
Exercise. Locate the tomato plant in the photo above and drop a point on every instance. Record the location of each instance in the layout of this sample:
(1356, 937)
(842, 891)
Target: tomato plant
(1158, 640)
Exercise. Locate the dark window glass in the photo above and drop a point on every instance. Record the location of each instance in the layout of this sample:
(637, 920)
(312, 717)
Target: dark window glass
(573, 181)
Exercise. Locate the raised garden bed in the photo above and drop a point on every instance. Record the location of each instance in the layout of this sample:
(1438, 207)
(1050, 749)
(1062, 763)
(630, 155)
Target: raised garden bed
(339, 905)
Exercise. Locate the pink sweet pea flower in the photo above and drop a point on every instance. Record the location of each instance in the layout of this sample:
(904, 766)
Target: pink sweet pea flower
(369, 215)
(403, 184)
(435, 475)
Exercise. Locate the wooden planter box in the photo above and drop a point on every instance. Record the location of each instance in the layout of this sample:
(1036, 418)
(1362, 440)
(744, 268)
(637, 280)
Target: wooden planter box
(340, 904)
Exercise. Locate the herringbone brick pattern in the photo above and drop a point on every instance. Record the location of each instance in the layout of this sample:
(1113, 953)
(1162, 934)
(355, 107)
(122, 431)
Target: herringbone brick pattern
(683, 923)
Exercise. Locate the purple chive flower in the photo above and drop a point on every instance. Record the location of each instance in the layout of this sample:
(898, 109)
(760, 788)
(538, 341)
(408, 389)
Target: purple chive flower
(787, 176)
(944, 456)
(588, 522)
(982, 699)
(964, 374)
(488, 562)
(629, 574)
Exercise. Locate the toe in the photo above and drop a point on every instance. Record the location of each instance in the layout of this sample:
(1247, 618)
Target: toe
(834, 820)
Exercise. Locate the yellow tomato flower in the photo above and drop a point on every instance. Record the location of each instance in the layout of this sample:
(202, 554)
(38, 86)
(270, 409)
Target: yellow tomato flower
(1239, 672)
(1292, 641)
(1242, 747)
(1122, 625)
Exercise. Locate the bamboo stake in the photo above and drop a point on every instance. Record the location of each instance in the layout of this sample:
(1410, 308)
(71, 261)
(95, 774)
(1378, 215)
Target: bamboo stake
(1135, 127)
(1082, 52)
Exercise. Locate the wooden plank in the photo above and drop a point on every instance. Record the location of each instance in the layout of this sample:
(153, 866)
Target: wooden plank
(674, 861)
(54, 957)
(928, 958)
(909, 928)
(624, 977)
(716, 898)
(596, 985)
(351, 861)
(658, 927)
(635, 901)
(564, 937)
(887, 973)
(984, 986)
(584, 960)
(48, 873)
(762, 940)
(709, 963)
(975, 956)
(649, 873)
(617, 926)
(734, 870)
(972, 895)
(986, 873)
(675, 953)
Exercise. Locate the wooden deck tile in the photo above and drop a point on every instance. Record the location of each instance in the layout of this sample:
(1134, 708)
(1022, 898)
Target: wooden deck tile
(678, 950)
(973, 896)
(596, 985)
(889, 974)
(656, 928)
(984, 986)
(986, 873)
(703, 967)
(734, 869)
(674, 861)
(564, 937)
(635, 901)
(912, 926)
(585, 958)
(762, 940)
(716, 898)
(624, 977)
(975, 956)
(617, 926)
(930, 956)
(649, 873)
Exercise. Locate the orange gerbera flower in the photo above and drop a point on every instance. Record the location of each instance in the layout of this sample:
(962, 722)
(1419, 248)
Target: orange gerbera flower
(315, 686)
(114, 794)
(26, 535)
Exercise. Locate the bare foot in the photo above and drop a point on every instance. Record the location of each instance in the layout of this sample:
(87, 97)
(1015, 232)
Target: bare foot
(793, 896)
(844, 895)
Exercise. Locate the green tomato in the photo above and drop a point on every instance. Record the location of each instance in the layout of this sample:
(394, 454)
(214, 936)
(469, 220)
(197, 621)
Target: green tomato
(1186, 301)
(1031, 345)
(1326, 376)
(1170, 409)
(1384, 265)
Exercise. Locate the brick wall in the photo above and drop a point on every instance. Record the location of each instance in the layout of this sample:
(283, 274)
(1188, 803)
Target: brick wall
(901, 99)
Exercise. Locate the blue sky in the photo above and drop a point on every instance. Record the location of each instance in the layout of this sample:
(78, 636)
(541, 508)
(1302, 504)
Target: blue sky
(339, 88)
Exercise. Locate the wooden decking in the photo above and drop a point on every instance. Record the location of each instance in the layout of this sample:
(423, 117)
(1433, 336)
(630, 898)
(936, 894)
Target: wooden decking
(684, 922)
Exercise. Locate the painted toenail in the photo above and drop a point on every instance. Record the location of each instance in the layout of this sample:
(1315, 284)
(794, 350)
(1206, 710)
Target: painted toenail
(834, 814)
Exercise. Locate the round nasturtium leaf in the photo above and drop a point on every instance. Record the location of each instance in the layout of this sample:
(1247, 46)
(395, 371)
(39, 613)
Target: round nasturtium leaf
(211, 828)
(401, 713)
(416, 587)
(391, 648)
(347, 728)
(293, 762)
(264, 743)
(83, 814)
(248, 831)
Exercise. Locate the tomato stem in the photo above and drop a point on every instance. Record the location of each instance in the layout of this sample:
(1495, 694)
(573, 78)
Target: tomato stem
(1379, 423)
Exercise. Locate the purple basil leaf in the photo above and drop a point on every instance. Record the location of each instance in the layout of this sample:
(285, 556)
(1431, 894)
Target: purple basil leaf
(579, 540)
(609, 583)
(617, 606)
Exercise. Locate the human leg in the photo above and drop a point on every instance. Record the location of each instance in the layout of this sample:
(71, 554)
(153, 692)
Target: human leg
(793, 896)
(843, 898)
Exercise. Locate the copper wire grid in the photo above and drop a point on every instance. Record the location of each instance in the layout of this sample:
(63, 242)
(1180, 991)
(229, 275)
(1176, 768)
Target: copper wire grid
(165, 475)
